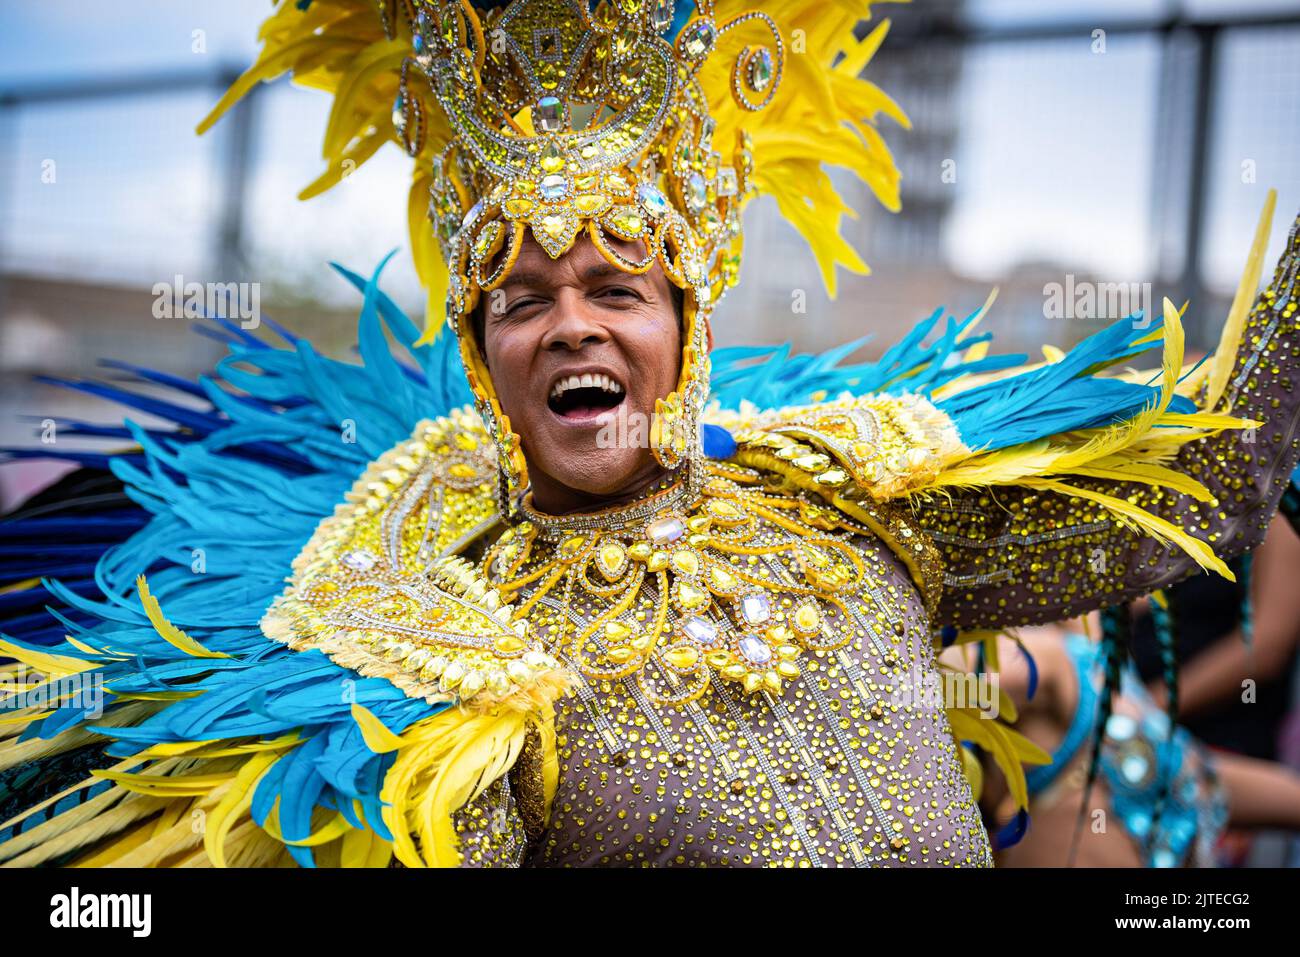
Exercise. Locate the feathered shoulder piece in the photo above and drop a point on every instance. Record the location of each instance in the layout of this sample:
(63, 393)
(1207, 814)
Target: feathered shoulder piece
(152, 698)
(931, 421)
(380, 589)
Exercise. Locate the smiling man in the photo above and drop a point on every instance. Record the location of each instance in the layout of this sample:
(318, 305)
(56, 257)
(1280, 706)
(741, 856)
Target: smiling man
(576, 346)
(511, 644)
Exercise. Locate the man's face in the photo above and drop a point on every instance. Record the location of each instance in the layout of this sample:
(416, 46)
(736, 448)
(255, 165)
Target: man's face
(572, 345)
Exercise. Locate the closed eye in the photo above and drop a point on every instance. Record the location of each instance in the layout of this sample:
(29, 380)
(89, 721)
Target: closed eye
(620, 292)
(519, 305)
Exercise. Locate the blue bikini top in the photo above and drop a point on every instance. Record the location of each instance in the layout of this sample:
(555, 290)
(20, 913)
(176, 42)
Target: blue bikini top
(1140, 759)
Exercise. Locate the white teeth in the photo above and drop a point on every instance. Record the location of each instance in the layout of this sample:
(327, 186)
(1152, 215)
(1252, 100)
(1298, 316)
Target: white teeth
(587, 381)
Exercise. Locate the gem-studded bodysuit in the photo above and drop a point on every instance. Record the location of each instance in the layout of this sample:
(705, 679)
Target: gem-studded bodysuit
(833, 768)
(738, 656)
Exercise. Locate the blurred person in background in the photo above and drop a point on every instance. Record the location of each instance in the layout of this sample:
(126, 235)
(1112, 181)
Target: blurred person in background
(1156, 801)
(1238, 642)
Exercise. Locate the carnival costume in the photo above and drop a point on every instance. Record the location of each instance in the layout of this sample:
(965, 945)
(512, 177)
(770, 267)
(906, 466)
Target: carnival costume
(711, 675)
(1162, 780)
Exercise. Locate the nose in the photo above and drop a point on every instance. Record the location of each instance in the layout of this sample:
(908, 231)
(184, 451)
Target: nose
(573, 324)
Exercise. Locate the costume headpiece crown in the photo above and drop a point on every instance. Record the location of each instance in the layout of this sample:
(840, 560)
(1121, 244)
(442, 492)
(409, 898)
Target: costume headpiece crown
(653, 119)
(623, 120)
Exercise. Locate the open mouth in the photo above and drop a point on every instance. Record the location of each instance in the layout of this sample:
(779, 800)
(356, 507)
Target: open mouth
(587, 396)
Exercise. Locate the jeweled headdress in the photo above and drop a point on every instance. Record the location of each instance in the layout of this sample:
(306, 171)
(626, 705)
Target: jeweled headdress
(649, 120)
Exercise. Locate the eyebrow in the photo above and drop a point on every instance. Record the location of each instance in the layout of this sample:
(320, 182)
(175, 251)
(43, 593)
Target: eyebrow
(540, 279)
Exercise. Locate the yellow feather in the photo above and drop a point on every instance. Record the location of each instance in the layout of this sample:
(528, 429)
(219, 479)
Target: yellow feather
(166, 630)
(236, 801)
(365, 848)
(1226, 353)
(57, 666)
(1153, 525)
(1010, 749)
(374, 732)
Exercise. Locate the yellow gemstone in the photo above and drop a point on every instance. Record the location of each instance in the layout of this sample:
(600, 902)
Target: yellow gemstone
(570, 548)
(722, 580)
(719, 659)
(612, 558)
(832, 477)
(698, 523)
(658, 561)
(685, 562)
(807, 618)
(787, 669)
(589, 203)
(554, 225)
(552, 160)
(725, 512)
(486, 237)
(690, 597)
(778, 635)
(452, 675)
(627, 224)
(519, 672)
(815, 557)
(734, 672)
(462, 470)
(587, 181)
(640, 551)
(812, 463)
(620, 656)
(616, 632)
(508, 644)
(753, 682)
(518, 207)
(465, 441)
(683, 657)
(772, 681)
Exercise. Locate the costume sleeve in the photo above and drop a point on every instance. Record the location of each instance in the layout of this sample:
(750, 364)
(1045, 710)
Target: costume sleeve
(1015, 556)
(491, 828)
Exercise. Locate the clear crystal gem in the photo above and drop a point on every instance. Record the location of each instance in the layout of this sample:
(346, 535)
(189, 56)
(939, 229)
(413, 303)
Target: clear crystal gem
(755, 608)
(473, 214)
(697, 39)
(360, 560)
(653, 199)
(700, 630)
(664, 530)
(760, 70)
(553, 187)
(549, 114)
(661, 15)
(697, 191)
(755, 649)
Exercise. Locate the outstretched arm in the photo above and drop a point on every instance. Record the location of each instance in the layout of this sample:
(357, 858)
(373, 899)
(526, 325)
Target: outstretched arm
(1018, 556)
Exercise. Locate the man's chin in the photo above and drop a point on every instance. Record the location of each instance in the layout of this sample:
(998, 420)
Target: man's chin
(591, 471)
